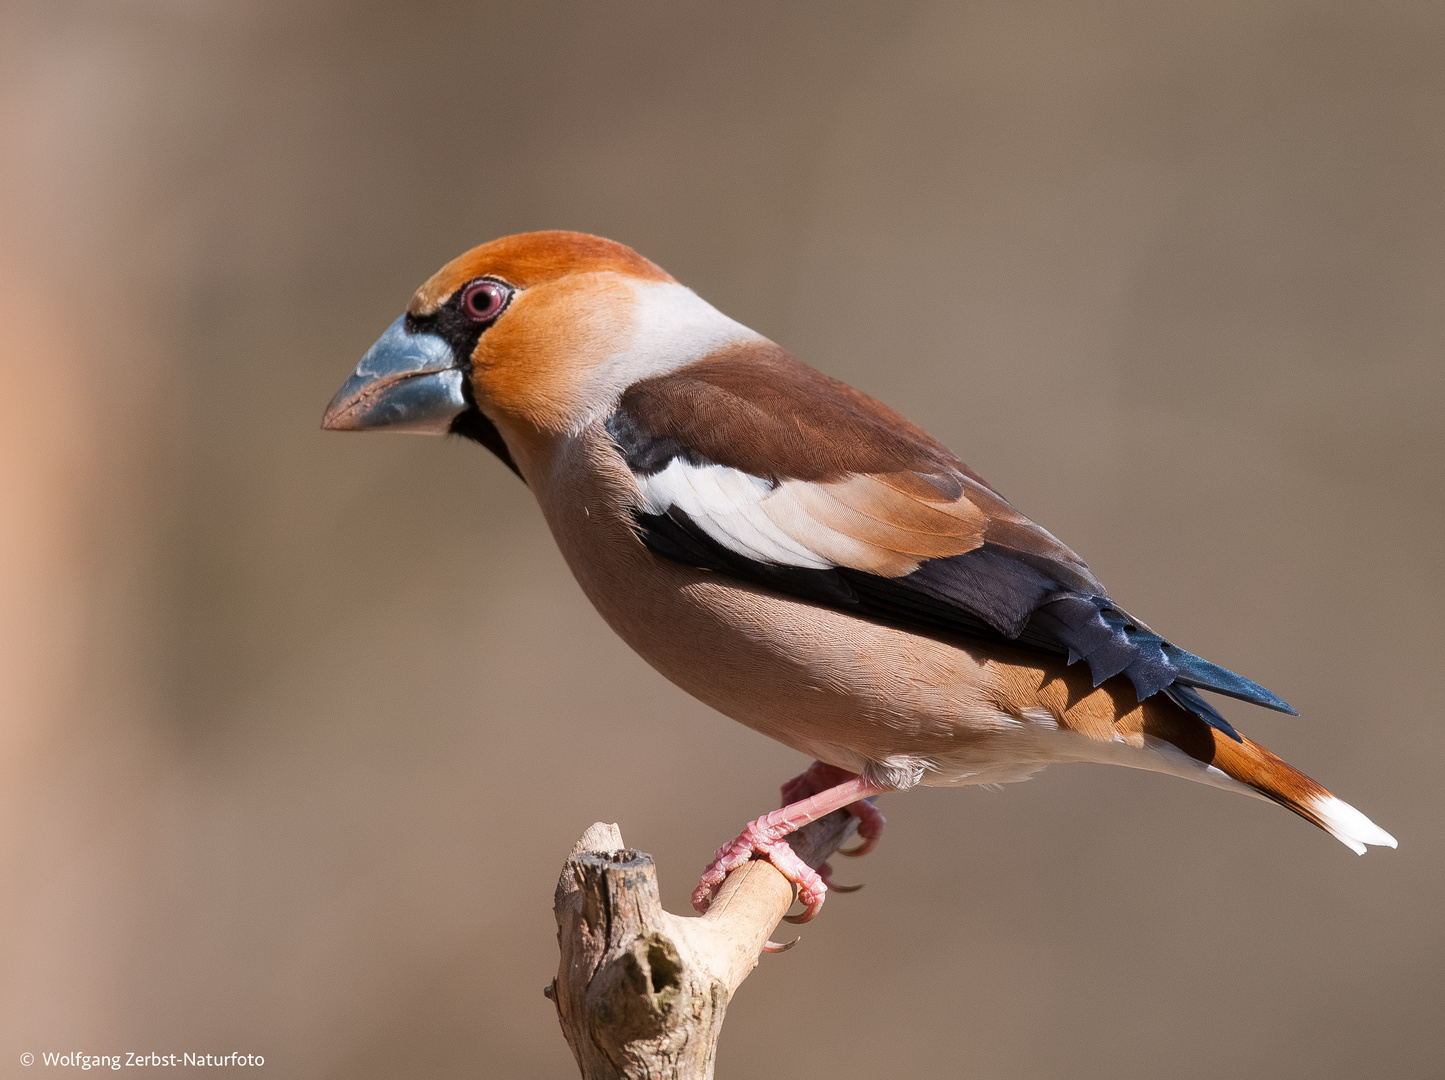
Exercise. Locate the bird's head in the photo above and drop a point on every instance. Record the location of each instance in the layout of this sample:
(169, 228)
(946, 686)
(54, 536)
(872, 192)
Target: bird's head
(526, 339)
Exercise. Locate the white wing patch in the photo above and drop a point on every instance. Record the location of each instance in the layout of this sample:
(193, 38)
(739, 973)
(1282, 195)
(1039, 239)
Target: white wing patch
(774, 524)
(727, 505)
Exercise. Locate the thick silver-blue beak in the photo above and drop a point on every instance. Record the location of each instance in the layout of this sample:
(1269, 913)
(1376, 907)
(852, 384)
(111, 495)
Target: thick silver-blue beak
(405, 382)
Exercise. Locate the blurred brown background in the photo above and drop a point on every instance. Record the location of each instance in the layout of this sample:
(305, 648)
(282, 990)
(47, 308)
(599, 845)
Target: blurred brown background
(296, 728)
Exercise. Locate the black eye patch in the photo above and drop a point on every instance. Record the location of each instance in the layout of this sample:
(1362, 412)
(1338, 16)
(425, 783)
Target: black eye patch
(465, 316)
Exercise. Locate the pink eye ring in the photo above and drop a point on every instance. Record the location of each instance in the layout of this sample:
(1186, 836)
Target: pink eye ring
(483, 301)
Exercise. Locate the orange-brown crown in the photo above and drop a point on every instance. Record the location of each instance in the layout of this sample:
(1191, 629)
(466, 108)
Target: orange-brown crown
(529, 259)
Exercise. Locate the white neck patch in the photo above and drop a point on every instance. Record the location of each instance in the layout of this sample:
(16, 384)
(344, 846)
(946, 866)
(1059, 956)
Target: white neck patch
(671, 327)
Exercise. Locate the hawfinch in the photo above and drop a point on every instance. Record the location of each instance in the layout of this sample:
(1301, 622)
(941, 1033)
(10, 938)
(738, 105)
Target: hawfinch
(794, 553)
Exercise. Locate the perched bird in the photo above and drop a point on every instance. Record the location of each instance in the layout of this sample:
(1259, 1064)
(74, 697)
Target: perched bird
(794, 553)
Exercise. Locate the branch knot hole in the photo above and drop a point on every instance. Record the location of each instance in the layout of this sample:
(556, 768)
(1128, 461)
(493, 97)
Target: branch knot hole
(664, 970)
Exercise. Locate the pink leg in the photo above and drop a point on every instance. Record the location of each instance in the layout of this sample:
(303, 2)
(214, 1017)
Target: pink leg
(765, 837)
(820, 777)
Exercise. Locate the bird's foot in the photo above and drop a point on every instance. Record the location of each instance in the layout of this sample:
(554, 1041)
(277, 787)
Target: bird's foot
(817, 793)
(765, 839)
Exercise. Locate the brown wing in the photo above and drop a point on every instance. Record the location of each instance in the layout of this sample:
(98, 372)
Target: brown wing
(848, 478)
(751, 463)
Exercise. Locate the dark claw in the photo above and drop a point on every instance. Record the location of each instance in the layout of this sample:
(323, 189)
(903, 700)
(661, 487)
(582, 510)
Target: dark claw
(826, 873)
(864, 848)
(774, 947)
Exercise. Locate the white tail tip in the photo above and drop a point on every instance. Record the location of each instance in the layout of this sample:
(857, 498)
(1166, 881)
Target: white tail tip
(1348, 825)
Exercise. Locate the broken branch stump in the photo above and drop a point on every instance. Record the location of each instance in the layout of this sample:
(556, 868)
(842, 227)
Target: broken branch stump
(641, 992)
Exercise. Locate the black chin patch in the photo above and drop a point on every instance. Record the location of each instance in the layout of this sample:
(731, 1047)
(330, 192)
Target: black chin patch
(471, 424)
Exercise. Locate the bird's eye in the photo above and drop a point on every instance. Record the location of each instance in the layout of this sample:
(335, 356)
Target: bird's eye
(483, 300)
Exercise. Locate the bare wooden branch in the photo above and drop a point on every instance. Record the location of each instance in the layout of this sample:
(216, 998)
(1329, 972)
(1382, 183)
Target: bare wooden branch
(641, 992)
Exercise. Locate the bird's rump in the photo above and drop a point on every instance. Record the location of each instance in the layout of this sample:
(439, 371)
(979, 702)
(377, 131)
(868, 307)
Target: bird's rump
(752, 464)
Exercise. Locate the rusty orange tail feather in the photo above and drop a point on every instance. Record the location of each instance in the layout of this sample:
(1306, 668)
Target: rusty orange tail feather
(1250, 764)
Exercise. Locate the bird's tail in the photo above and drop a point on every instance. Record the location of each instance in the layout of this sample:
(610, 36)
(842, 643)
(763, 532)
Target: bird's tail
(1251, 764)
